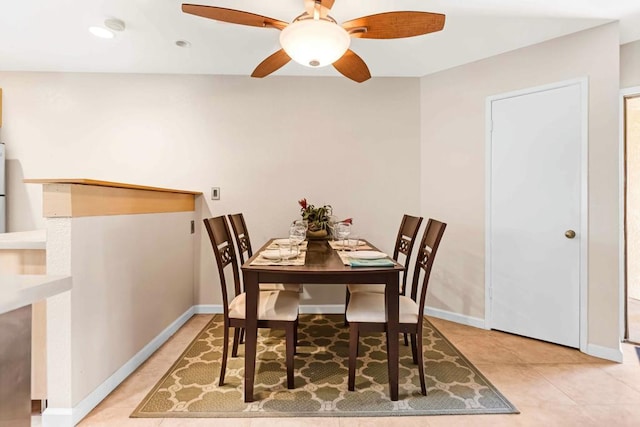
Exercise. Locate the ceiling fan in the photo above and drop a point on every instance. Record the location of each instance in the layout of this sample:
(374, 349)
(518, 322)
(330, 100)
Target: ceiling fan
(315, 39)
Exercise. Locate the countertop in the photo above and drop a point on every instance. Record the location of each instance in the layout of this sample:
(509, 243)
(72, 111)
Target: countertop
(35, 239)
(20, 290)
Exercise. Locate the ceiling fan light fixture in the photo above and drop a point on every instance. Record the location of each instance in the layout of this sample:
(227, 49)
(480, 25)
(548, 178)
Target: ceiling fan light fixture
(314, 42)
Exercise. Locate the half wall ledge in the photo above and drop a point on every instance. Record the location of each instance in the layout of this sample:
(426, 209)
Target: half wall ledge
(87, 197)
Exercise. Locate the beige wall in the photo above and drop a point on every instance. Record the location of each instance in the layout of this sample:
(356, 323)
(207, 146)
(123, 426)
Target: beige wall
(630, 64)
(132, 278)
(453, 166)
(265, 142)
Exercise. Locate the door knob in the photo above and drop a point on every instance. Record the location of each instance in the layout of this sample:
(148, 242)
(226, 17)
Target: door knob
(570, 234)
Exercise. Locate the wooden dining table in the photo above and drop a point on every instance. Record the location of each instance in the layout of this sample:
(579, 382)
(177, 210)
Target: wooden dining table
(322, 266)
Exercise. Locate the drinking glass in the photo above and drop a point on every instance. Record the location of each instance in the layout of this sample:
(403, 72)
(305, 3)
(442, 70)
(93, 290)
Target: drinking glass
(301, 223)
(331, 223)
(286, 251)
(343, 229)
(352, 243)
(297, 234)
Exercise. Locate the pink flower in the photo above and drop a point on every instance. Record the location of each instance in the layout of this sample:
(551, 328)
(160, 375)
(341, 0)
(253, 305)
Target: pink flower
(348, 220)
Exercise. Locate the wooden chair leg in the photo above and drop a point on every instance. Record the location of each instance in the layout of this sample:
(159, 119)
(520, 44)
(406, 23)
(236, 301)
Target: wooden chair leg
(347, 297)
(241, 336)
(414, 350)
(295, 335)
(225, 353)
(354, 338)
(423, 385)
(236, 340)
(406, 341)
(290, 338)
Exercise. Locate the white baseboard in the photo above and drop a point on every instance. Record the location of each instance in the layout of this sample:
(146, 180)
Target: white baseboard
(57, 417)
(68, 417)
(613, 354)
(455, 317)
(207, 309)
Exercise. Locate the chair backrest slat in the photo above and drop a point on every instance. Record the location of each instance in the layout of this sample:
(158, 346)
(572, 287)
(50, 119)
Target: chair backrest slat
(405, 242)
(424, 261)
(241, 235)
(225, 255)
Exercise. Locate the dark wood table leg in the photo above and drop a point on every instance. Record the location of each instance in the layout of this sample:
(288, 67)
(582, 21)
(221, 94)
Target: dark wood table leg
(393, 329)
(251, 333)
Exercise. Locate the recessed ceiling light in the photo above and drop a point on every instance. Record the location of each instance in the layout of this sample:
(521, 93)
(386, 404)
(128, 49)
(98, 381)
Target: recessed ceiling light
(101, 32)
(114, 24)
(183, 43)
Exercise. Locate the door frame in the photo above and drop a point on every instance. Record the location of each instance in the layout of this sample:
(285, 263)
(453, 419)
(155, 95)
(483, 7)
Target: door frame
(630, 92)
(583, 83)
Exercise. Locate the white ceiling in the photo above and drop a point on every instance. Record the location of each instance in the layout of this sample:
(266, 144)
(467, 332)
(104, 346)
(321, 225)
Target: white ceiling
(45, 35)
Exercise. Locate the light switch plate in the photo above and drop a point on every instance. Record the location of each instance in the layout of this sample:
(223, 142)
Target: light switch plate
(215, 193)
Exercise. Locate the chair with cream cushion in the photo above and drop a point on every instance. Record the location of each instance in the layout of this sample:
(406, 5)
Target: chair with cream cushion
(276, 309)
(404, 246)
(243, 243)
(366, 310)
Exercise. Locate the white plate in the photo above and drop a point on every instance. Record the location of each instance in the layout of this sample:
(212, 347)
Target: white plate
(367, 255)
(275, 254)
(281, 242)
(352, 242)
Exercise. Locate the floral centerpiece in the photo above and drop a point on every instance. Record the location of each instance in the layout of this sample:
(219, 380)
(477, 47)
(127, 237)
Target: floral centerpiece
(319, 219)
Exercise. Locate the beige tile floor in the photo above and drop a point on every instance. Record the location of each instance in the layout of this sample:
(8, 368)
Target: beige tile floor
(551, 386)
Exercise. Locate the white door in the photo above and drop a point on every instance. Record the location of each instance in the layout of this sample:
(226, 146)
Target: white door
(535, 198)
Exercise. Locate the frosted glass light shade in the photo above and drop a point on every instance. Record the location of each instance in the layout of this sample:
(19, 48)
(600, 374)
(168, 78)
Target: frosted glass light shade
(314, 43)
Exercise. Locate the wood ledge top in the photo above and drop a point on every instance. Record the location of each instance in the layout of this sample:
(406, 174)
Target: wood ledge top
(84, 181)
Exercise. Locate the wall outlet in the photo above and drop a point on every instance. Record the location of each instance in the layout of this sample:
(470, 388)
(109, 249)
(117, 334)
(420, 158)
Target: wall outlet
(193, 226)
(215, 193)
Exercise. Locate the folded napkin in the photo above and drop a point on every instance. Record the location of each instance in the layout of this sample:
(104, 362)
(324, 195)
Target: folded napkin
(382, 262)
(353, 262)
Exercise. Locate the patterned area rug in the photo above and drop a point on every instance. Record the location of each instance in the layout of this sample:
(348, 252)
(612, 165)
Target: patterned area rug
(189, 388)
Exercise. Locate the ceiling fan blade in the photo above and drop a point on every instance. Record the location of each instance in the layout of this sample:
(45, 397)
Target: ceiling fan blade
(232, 16)
(353, 67)
(328, 3)
(271, 64)
(395, 25)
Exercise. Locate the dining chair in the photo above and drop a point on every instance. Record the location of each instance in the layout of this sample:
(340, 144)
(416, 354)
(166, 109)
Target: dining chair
(276, 309)
(243, 243)
(405, 241)
(366, 310)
